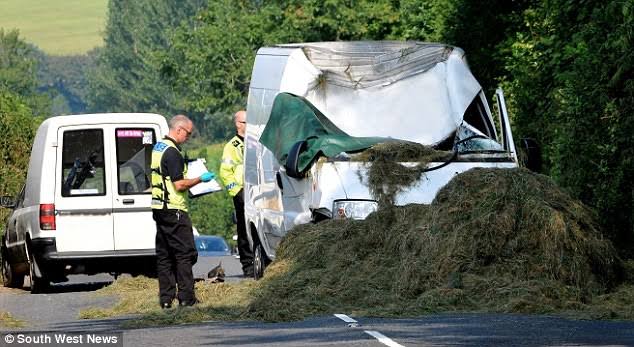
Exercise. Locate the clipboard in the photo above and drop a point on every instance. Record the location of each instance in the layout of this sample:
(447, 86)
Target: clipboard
(195, 168)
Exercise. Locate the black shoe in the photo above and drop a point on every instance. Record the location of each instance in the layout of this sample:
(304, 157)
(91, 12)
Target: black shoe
(247, 271)
(166, 305)
(189, 303)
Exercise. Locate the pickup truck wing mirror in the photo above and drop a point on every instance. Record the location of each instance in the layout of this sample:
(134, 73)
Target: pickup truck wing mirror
(7, 201)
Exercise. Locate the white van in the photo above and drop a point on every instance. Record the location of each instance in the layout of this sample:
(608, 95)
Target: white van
(85, 207)
(413, 91)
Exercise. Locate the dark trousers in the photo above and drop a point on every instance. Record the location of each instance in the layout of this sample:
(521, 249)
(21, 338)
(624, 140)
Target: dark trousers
(176, 255)
(244, 249)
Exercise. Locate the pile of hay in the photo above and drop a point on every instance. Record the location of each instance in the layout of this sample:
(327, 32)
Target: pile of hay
(501, 240)
(493, 240)
(387, 177)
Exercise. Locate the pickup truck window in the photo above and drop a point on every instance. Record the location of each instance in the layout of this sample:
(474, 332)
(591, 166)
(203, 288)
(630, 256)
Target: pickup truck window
(83, 166)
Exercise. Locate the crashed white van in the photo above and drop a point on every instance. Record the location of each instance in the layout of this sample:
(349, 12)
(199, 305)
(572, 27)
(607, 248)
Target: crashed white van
(85, 206)
(411, 91)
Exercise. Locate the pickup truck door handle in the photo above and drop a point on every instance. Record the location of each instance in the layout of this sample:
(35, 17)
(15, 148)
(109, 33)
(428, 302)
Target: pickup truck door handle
(128, 201)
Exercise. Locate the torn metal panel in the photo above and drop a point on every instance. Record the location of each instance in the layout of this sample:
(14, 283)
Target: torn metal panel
(354, 84)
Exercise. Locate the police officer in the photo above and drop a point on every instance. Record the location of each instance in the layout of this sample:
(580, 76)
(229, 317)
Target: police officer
(232, 176)
(175, 249)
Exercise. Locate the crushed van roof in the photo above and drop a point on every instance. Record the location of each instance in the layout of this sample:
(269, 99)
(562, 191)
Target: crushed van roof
(412, 91)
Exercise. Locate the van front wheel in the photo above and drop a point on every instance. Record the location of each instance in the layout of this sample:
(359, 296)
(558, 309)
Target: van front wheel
(260, 261)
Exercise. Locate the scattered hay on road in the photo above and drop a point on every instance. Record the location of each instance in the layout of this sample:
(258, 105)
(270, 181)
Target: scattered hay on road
(493, 240)
(8, 321)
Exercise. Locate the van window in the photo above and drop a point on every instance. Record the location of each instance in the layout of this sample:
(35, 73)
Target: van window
(477, 117)
(83, 166)
(134, 155)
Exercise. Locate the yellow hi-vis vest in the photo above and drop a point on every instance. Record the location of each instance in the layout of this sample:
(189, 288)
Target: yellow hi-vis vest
(232, 168)
(164, 194)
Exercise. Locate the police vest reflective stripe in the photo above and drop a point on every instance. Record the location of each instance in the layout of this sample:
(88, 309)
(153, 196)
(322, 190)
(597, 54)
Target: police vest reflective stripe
(164, 193)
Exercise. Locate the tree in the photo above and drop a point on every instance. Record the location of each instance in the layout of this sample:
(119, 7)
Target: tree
(211, 214)
(571, 86)
(65, 79)
(18, 71)
(18, 127)
(125, 78)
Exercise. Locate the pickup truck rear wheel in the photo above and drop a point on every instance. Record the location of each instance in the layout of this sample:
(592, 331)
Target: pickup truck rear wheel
(9, 277)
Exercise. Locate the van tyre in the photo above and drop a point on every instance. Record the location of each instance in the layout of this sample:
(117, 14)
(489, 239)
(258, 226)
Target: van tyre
(10, 278)
(260, 261)
(38, 284)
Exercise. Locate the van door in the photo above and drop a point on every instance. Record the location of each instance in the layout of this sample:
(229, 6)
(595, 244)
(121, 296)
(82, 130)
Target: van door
(505, 124)
(134, 227)
(83, 197)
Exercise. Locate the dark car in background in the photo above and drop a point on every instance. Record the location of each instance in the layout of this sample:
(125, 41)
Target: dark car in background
(211, 246)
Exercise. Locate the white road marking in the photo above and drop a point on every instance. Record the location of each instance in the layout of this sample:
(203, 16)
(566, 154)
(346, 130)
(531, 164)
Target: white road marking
(383, 339)
(345, 318)
(377, 335)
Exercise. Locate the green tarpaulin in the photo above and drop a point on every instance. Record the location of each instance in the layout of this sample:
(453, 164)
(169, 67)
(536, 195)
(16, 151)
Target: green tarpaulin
(294, 119)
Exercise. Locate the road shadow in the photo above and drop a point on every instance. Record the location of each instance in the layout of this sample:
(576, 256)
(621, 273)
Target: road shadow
(73, 286)
(77, 287)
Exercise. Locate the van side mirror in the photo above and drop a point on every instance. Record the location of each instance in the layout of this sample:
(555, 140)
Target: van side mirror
(7, 201)
(532, 154)
(292, 161)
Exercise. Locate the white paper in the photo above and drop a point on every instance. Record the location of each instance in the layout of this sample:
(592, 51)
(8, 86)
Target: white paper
(195, 169)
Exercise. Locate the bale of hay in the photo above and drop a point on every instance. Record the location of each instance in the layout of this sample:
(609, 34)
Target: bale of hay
(502, 240)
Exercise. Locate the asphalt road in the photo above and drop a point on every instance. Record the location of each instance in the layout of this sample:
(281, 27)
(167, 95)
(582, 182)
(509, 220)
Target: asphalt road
(57, 312)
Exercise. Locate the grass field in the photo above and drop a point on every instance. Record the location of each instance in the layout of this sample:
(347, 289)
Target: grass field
(58, 27)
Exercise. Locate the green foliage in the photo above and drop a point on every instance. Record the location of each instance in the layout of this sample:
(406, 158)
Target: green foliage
(64, 78)
(18, 127)
(18, 69)
(483, 30)
(211, 214)
(572, 89)
(209, 67)
(423, 20)
(126, 79)
(19, 101)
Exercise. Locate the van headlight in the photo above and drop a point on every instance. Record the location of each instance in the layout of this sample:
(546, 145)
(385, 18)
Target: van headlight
(353, 209)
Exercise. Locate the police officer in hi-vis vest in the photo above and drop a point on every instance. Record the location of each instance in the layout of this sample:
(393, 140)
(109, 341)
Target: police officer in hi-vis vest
(175, 249)
(232, 175)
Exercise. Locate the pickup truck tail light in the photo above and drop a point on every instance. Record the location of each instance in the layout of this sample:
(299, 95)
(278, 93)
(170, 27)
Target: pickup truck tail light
(47, 216)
